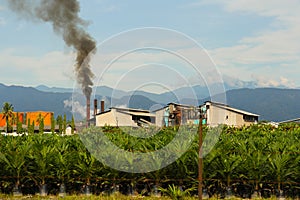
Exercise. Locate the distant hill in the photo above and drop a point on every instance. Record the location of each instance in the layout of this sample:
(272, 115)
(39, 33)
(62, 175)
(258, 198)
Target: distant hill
(45, 88)
(138, 102)
(31, 99)
(270, 103)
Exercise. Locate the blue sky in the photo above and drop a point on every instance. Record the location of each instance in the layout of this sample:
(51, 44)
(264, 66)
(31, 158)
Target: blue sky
(247, 40)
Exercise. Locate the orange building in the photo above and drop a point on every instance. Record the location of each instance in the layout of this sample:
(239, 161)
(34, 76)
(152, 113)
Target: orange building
(20, 117)
(35, 116)
(2, 120)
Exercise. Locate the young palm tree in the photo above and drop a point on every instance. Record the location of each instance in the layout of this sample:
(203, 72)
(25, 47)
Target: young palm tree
(42, 154)
(176, 192)
(62, 161)
(15, 158)
(85, 168)
(255, 161)
(7, 111)
(281, 167)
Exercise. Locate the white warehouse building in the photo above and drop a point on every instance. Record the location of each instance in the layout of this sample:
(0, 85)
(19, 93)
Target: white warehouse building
(125, 117)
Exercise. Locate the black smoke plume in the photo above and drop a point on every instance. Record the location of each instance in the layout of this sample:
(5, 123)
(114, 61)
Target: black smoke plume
(63, 15)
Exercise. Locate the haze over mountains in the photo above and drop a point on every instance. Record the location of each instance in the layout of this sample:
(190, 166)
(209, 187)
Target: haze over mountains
(271, 104)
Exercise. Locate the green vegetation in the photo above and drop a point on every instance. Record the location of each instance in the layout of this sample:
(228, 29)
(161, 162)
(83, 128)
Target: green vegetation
(59, 122)
(32, 127)
(176, 192)
(40, 120)
(64, 124)
(7, 111)
(72, 125)
(19, 125)
(29, 127)
(257, 160)
(52, 124)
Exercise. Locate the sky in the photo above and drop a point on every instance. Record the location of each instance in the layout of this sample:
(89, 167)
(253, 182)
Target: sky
(245, 41)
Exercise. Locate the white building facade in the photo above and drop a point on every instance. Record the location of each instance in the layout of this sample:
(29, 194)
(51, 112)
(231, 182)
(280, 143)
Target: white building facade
(125, 117)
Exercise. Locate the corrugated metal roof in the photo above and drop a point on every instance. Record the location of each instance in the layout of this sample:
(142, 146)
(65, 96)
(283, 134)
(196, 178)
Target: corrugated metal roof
(136, 113)
(234, 109)
(183, 106)
(130, 109)
(290, 120)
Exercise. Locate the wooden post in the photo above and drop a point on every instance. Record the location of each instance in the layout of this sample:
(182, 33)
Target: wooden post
(200, 159)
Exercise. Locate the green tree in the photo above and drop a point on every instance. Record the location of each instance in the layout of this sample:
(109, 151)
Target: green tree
(281, 166)
(59, 121)
(85, 166)
(32, 127)
(64, 123)
(19, 125)
(15, 158)
(52, 124)
(7, 111)
(63, 159)
(41, 123)
(19, 128)
(255, 160)
(42, 156)
(28, 127)
(72, 125)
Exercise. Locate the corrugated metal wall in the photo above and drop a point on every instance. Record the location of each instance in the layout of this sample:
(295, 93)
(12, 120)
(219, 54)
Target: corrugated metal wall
(3, 120)
(34, 116)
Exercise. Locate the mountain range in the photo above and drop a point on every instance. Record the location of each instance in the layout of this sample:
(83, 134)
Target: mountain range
(272, 104)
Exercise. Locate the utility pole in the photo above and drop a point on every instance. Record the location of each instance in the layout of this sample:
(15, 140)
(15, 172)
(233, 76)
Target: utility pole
(200, 159)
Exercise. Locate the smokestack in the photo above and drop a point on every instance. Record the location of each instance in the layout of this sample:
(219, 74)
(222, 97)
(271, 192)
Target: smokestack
(88, 110)
(95, 107)
(102, 106)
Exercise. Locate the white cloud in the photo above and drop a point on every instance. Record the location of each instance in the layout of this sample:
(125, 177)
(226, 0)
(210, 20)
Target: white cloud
(172, 54)
(53, 68)
(276, 46)
(277, 8)
(157, 68)
(262, 81)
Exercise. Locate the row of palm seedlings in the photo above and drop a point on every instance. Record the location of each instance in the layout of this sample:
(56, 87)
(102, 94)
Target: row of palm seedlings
(258, 160)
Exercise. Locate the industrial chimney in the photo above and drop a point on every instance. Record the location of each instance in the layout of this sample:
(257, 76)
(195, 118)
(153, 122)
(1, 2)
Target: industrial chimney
(102, 106)
(88, 108)
(95, 107)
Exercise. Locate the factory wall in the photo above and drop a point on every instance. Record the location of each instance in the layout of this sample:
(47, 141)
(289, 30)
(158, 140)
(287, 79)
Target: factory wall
(34, 116)
(3, 120)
